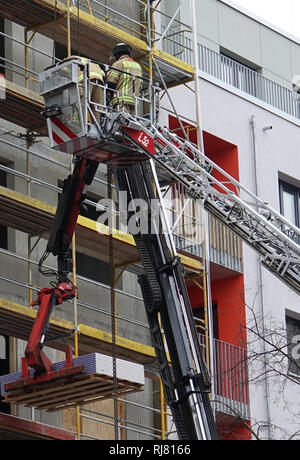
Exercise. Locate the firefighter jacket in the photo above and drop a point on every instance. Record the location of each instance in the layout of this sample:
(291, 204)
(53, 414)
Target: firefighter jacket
(96, 93)
(96, 73)
(123, 74)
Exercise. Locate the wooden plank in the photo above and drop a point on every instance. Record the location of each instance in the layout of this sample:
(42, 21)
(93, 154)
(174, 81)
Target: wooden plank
(52, 378)
(67, 397)
(96, 399)
(91, 400)
(63, 394)
(26, 396)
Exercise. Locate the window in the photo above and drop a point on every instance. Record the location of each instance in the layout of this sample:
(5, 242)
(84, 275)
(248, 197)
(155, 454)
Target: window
(61, 52)
(290, 206)
(293, 344)
(93, 269)
(289, 202)
(239, 73)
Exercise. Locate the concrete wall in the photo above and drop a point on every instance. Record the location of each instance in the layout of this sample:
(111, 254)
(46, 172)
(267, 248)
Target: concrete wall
(117, 13)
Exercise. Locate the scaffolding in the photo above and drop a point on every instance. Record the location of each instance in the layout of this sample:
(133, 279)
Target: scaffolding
(89, 28)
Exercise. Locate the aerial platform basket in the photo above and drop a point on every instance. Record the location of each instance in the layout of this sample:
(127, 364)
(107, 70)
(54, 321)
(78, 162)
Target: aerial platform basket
(77, 125)
(89, 379)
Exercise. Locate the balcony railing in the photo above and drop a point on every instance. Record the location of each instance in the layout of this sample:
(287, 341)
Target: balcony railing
(238, 76)
(231, 395)
(189, 233)
(249, 81)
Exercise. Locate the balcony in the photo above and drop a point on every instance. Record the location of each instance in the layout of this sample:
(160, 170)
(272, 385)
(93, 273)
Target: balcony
(241, 77)
(188, 227)
(236, 75)
(225, 247)
(230, 378)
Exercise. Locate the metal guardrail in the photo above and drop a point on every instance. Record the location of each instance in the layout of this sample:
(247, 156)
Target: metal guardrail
(249, 81)
(238, 76)
(188, 228)
(231, 394)
(218, 255)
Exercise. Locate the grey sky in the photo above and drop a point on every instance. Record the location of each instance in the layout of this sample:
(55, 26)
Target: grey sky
(284, 14)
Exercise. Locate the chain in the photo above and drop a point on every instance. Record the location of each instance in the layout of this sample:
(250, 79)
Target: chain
(113, 303)
(55, 24)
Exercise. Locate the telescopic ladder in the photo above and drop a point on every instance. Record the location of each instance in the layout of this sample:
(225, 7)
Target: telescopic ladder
(272, 236)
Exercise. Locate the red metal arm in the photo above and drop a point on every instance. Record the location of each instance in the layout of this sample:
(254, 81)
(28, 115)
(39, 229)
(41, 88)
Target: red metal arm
(61, 236)
(47, 299)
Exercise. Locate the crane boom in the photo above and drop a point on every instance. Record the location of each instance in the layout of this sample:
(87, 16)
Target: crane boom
(185, 377)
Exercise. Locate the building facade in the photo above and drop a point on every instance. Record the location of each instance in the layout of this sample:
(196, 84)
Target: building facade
(248, 72)
(250, 114)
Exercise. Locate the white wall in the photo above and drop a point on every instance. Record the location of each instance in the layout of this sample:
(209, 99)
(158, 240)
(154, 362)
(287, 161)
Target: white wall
(243, 37)
(227, 116)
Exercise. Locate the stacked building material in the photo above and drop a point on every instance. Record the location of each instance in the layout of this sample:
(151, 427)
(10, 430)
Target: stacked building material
(96, 382)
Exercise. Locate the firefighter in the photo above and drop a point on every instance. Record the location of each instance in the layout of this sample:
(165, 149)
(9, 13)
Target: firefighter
(125, 79)
(97, 76)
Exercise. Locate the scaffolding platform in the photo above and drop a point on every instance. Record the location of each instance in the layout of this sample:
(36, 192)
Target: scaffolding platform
(89, 380)
(19, 101)
(17, 321)
(94, 36)
(34, 217)
(17, 429)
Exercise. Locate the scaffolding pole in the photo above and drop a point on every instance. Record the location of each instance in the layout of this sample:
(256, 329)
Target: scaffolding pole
(201, 147)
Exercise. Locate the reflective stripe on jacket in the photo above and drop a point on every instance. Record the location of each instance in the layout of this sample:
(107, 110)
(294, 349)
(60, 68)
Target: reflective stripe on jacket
(96, 73)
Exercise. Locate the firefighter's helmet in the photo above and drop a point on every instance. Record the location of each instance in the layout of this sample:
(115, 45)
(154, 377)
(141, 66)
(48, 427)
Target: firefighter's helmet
(121, 49)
